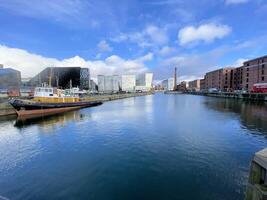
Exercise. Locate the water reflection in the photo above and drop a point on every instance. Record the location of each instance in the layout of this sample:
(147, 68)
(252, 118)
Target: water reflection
(253, 116)
(49, 122)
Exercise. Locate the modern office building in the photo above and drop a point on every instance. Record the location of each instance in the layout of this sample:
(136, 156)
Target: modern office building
(109, 84)
(9, 78)
(144, 82)
(194, 85)
(63, 77)
(93, 86)
(168, 84)
(128, 83)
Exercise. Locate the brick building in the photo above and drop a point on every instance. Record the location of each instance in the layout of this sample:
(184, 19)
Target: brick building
(194, 85)
(220, 79)
(202, 84)
(254, 71)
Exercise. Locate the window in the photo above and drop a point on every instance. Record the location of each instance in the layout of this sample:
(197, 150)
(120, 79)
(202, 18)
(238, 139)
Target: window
(262, 78)
(247, 79)
(262, 71)
(263, 66)
(247, 74)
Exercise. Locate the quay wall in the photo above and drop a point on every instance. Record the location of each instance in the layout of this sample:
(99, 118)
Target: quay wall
(6, 109)
(232, 95)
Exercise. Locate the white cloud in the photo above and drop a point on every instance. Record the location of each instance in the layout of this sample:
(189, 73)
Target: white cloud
(30, 64)
(104, 46)
(228, 2)
(151, 35)
(206, 32)
(166, 50)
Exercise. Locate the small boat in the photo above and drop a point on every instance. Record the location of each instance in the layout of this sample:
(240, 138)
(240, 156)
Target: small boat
(48, 101)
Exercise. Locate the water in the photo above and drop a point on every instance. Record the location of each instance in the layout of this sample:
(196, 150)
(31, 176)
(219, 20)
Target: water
(152, 147)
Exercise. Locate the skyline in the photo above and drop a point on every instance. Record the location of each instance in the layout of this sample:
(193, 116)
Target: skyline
(132, 36)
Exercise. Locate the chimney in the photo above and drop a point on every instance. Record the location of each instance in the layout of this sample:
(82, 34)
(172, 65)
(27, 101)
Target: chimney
(175, 79)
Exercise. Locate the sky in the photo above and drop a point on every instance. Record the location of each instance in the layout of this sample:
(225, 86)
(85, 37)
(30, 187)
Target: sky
(132, 36)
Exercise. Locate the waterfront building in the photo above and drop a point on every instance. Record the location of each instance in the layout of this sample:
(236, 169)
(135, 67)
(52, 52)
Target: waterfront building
(254, 71)
(220, 79)
(144, 82)
(116, 83)
(168, 84)
(63, 77)
(109, 84)
(9, 78)
(93, 86)
(194, 85)
(237, 80)
(182, 86)
(202, 84)
(101, 83)
(240, 78)
(128, 83)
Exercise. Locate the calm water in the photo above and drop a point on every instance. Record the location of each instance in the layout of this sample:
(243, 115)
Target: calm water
(153, 147)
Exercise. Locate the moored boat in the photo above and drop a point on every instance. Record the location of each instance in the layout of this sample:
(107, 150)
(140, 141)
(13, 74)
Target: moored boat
(48, 101)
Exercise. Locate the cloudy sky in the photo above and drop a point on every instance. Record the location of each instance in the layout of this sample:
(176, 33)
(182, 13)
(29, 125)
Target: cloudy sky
(132, 36)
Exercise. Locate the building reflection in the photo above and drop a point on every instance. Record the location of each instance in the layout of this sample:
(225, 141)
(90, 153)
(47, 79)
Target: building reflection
(253, 115)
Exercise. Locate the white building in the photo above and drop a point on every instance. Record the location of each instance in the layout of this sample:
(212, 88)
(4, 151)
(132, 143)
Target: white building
(101, 83)
(108, 84)
(128, 83)
(168, 84)
(144, 82)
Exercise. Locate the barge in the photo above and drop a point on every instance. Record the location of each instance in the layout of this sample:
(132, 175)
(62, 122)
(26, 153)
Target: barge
(49, 101)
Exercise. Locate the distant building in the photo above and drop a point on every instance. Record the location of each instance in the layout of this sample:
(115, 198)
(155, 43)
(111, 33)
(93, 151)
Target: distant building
(128, 83)
(93, 86)
(109, 84)
(182, 86)
(220, 79)
(144, 82)
(9, 78)
(202, 84)
(63, 77)
(168, 84)
(237, 80)
(194, 85)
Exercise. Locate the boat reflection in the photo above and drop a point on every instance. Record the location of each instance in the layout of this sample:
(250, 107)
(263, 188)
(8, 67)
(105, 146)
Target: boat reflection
(52, 120)
(253, 115)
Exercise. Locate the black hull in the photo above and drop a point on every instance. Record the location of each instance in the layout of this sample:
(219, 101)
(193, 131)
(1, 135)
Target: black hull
(19, 104)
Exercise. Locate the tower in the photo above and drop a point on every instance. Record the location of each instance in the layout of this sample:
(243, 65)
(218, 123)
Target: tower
(175, 79)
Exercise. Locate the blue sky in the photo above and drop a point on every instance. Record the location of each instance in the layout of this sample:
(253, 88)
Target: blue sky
(130, 36)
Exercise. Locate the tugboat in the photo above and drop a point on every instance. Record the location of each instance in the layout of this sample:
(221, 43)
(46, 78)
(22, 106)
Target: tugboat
(49, 100)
